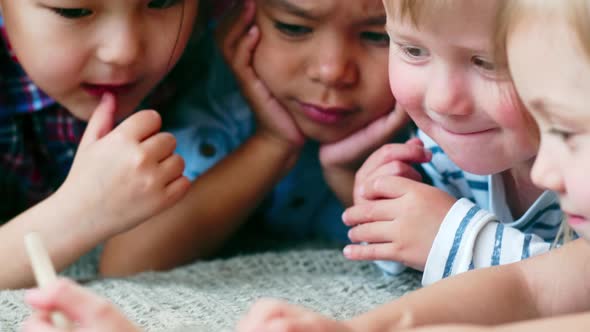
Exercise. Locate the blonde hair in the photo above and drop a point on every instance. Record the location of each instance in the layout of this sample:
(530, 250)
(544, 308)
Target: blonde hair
(415, 10)
(513, 12)
(574, 12)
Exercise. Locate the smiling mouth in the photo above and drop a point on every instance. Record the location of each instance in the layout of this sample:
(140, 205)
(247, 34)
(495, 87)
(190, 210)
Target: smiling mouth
(98, 90)
(467, 133)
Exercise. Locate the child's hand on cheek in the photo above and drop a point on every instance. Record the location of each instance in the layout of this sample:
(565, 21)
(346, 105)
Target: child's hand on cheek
(399, 220)
(125, 175)
(341, 160)
(391, 159)
(277, 316)
(239, 39)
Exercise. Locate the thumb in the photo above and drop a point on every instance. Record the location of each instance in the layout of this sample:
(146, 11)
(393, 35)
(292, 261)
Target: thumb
(102, 120)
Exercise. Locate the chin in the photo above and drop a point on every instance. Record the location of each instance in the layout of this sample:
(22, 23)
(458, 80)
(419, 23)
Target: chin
(324, 136)
(478, 166)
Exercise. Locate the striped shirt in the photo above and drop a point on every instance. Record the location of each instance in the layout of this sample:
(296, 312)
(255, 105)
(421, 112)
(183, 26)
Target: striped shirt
(479, 230)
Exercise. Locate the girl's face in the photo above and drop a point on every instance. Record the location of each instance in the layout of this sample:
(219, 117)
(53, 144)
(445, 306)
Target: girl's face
(75, 50)
(551, 72)
(442, 74)
(325, 61)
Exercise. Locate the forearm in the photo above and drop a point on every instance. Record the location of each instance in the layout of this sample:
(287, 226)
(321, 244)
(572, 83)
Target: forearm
(571, 323)
(472, 238)
(342, 183)
(489, 296)
(217, 204)
(66, 230)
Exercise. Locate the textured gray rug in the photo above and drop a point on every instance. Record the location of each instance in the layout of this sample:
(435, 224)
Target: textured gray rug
(211, 296)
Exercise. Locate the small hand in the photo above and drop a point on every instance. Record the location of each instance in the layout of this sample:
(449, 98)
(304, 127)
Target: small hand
(88, 310)
(125, 175)
(340, 160)
(238, 39)
(399, 219)
(278, 316)
(351, 151)
(391, 159)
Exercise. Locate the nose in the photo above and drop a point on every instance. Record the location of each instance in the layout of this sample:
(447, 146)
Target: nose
(121, 45)
(448, 93)
(334, 65)
(545, 172)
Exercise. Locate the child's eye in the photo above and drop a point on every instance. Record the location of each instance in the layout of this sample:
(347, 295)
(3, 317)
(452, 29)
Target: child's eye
(414, 52)
(483, 64)
(292, 30)
(162, 4)
(72, 13)
(377, 38)
(562, 134)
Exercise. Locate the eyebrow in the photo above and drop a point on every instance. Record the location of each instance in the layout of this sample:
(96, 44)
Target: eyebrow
(291, 8)
(543, 106)
(380, 20)
(538, 104)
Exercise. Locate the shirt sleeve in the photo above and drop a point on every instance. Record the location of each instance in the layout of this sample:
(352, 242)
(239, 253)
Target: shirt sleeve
(470, 238)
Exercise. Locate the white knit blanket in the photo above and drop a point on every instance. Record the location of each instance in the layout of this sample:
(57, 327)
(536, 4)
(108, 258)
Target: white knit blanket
(211, 296)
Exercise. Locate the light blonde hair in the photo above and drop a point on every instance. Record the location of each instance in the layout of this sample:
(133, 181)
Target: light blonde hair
(574, 12)
(415, 10)
(514, 12)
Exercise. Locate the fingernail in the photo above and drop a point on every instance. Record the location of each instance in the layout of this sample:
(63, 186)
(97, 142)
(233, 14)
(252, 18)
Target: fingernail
(343, 217)
(253, 30)
(346, 251)
(428, 153)
(349, 234)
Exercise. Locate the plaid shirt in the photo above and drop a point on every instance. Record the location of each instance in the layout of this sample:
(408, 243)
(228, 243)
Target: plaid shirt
(38, 138)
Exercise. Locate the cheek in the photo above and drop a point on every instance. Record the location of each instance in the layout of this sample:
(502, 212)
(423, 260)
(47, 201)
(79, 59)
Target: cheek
(406, 85)
(375, 92)
(274, 66)
(576, 183)
(53, 70)
(51, 58)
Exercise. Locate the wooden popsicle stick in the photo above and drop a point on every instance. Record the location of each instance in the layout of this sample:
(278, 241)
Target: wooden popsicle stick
(44, 272)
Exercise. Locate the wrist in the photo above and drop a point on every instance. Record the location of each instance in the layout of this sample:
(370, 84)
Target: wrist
(279, 141)
(279, 148)
(375, 322)
(81, 216)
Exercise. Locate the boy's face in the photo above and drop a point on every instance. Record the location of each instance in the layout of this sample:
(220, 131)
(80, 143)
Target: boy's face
(554, 87)
(76, 50)
(325, 61)
(442, 74)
